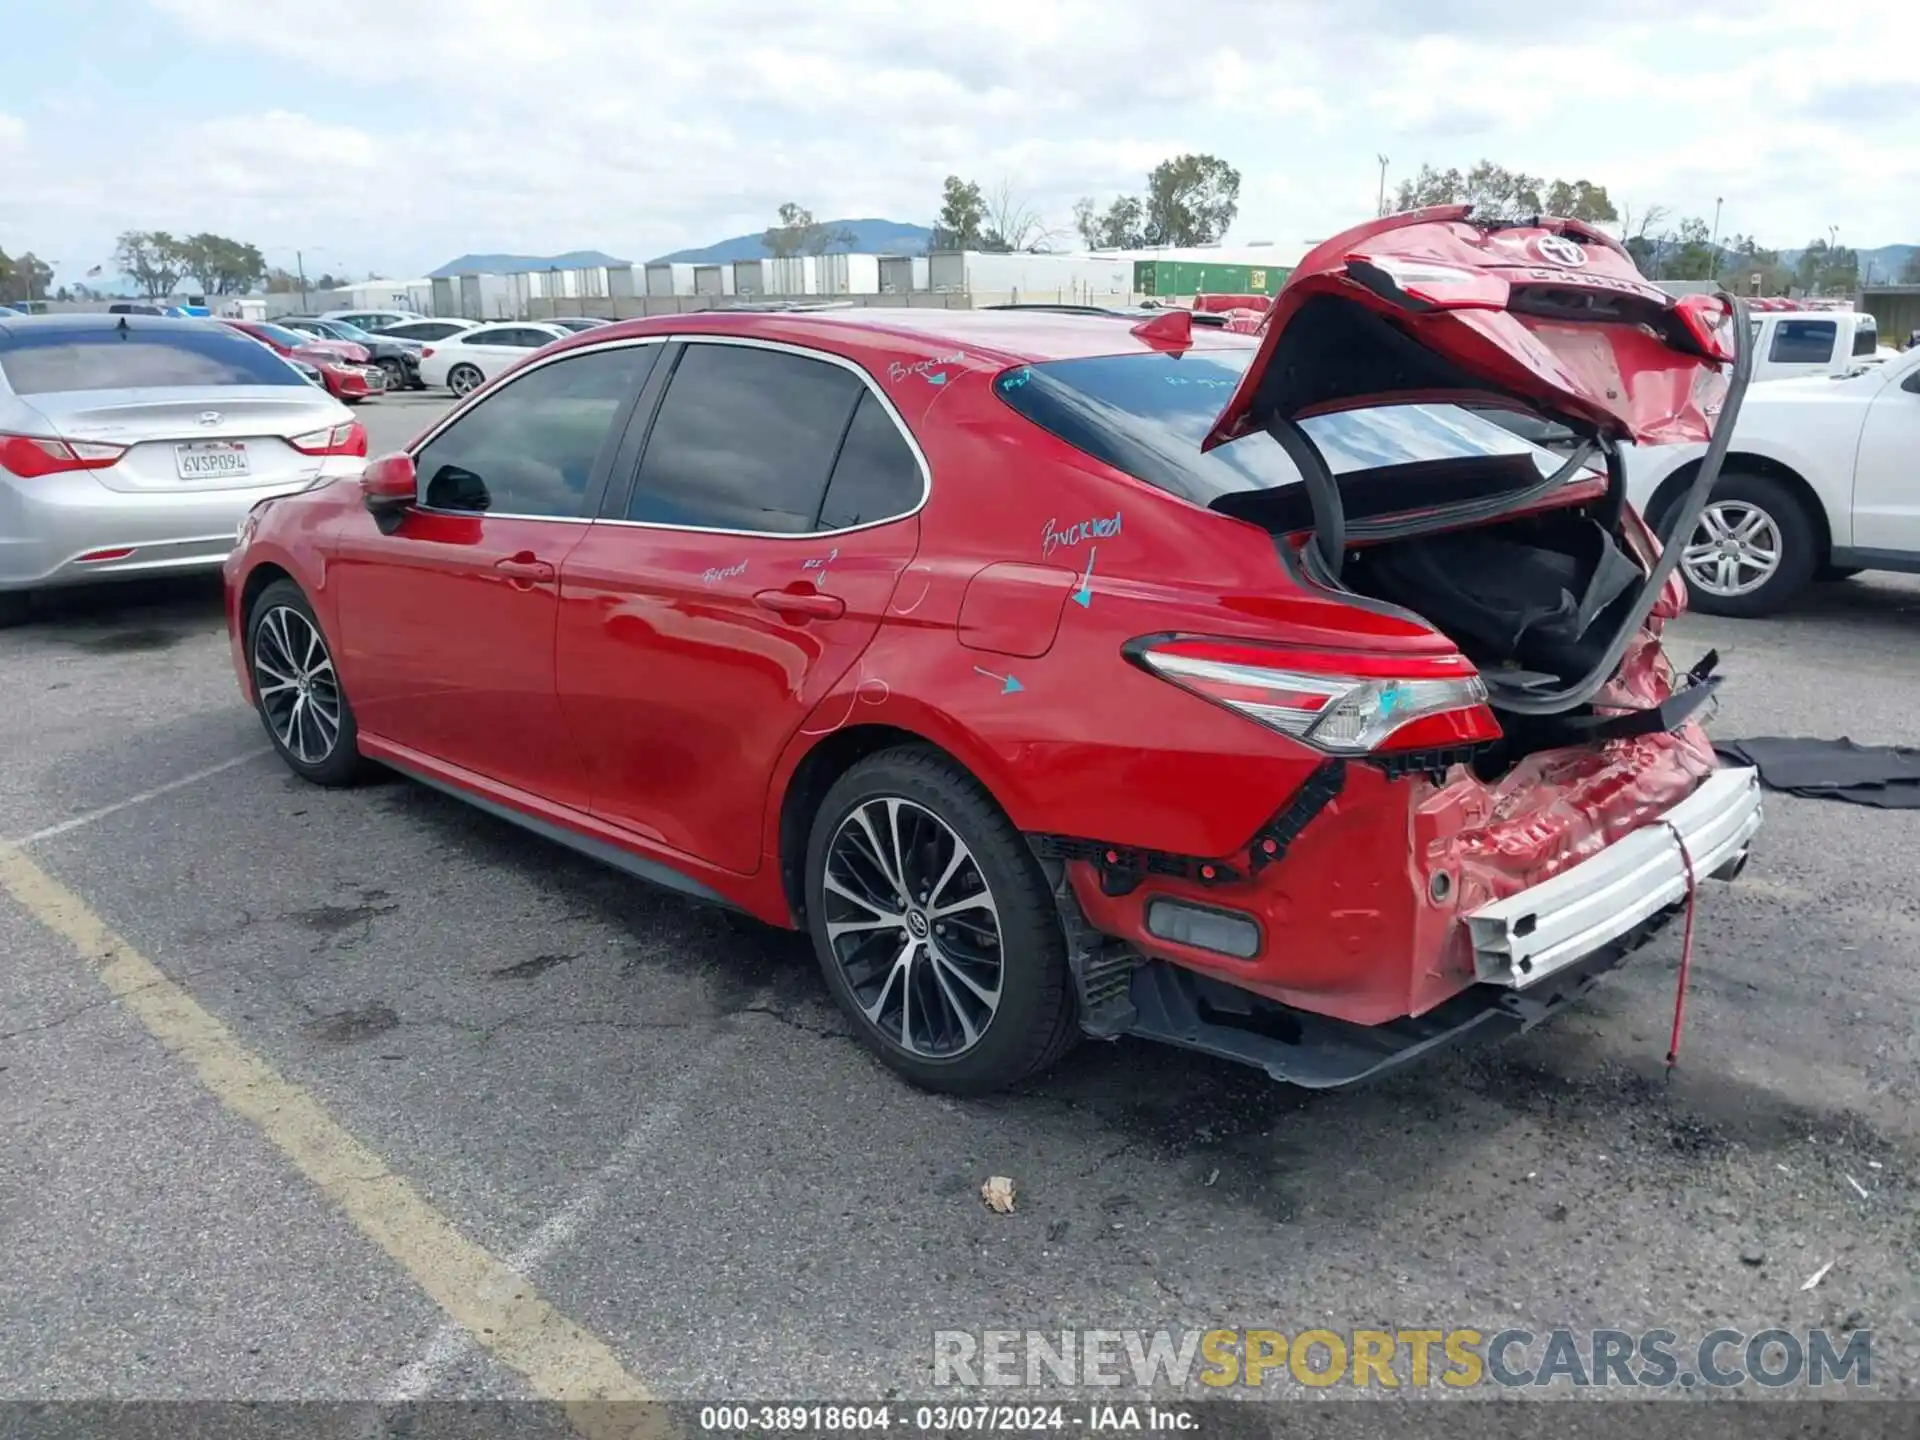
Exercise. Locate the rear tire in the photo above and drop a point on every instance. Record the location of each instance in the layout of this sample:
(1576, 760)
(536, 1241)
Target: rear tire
(396, 374)
(463, 380)
(960, 984)
(16, 606)
(1753, 549)
(297, 691)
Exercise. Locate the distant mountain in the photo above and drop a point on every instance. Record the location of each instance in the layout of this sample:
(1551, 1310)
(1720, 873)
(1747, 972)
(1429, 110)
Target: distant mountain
(870, 237)
(521, 264)
(1886, 262)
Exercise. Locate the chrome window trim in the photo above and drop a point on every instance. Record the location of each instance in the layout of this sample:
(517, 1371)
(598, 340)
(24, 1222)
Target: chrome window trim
(859, 372)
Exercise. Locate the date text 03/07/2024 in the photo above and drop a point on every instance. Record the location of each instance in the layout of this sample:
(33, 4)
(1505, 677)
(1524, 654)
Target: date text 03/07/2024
(941, 1419)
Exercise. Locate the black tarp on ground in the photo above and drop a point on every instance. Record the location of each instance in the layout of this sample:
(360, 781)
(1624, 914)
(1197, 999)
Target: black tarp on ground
(1886, 776)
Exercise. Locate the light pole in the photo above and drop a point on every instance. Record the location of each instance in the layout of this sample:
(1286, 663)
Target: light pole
(1718, 201)
(1381, 204)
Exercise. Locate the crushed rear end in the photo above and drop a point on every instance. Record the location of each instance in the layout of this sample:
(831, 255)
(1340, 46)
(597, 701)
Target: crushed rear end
(1497, 818)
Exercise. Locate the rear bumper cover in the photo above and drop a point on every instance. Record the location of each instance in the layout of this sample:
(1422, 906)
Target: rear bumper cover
(1519, 941)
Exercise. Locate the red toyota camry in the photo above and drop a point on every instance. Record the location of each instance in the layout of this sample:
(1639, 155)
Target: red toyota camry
(1300, 700)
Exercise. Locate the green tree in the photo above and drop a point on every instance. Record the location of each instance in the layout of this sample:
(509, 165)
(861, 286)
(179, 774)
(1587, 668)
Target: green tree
(24, 277)
(1121, 226)
(798, 233)
(152, 259)
(963, 215)
(1827, 269)
(1191, 200)
(1692, 254)
(222, 266)
(1495, 190)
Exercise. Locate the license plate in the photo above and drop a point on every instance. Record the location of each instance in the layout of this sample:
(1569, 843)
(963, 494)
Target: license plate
(211, 459)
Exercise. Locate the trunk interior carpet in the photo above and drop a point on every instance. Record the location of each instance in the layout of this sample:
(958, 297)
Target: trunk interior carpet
(1885, 776)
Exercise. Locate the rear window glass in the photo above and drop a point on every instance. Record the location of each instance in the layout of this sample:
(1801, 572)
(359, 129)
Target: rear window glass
(1803, 342)
(47, 360)
(1866, 339)
(1146, 414)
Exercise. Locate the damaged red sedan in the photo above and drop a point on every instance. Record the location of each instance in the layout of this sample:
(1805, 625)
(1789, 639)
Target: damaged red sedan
(1298, 699)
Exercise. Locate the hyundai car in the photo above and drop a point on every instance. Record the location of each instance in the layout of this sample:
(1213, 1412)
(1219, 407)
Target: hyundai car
(1071, 674)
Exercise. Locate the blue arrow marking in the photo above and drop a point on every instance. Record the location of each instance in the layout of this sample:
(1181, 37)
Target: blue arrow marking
(1083, 597)
(1008, 685)
(937, 377)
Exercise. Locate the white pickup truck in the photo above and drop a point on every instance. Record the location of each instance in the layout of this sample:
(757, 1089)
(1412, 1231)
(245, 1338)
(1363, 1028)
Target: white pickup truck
(1793, 342)
(1822, 482)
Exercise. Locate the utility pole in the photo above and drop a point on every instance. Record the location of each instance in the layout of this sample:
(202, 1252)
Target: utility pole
(300, 264)
(1381, 207)
(1718, 201)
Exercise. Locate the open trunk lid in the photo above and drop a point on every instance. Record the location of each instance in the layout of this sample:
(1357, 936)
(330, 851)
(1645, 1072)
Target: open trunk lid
(1546, 319)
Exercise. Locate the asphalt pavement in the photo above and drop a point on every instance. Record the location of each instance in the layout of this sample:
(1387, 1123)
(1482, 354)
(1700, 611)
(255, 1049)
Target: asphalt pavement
(485, 1056)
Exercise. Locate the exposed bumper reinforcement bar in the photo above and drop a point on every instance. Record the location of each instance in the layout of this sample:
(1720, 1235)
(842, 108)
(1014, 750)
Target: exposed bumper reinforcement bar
(1519, 941)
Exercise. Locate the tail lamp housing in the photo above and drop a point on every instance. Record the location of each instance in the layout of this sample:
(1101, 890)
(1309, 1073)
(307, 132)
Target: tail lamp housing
(31, 456)
(345, 439)
(1337, 702)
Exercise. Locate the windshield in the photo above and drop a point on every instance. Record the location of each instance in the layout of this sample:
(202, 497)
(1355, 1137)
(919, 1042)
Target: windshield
(280, 335)
(346, 331)
(1146, 414)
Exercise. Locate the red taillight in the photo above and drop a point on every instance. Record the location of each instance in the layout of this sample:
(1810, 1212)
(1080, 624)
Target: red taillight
(347, 439)
(1709, 323)
(425, 351)
(1342, 703)
(29, 456)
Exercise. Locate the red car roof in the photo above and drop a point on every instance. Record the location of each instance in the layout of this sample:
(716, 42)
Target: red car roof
(1006, 337)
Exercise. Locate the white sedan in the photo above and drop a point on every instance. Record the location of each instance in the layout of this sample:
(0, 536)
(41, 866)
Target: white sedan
(465, 362)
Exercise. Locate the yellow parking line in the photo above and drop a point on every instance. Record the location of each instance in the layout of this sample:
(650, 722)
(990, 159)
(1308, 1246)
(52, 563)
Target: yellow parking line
(560, 1360)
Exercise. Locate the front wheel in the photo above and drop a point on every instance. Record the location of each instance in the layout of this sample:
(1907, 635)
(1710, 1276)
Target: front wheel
(935, 927)
(1752, 550)
(298, 692)
(463, 380)
(396, 374)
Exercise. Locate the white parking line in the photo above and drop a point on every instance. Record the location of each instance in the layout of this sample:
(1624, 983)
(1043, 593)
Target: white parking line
(155, 793)
(451, 1344)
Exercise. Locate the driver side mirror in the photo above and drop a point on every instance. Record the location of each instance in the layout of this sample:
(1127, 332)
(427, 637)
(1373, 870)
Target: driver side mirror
(390, 480)
(389, 486)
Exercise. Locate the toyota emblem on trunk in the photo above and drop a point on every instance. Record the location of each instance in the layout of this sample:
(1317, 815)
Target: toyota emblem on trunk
(209, 417)
(1559, 249)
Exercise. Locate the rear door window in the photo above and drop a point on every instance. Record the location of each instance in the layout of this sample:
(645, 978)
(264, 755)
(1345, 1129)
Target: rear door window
(532, 448)
(1803, 342)
(745, 440)
(44, 360)
(877, 476)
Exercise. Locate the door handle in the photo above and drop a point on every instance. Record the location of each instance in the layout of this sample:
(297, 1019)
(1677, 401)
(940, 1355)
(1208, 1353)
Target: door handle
(811, 604)
(524, 570)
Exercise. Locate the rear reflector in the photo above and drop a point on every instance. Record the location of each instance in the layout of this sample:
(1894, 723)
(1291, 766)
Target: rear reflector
(1345, 704)
(347, 439)
(31, 455)
(1224, 932)
(94, 557)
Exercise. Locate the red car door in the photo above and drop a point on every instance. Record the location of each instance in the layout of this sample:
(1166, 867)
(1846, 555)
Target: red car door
(447, 623)
(773, 506)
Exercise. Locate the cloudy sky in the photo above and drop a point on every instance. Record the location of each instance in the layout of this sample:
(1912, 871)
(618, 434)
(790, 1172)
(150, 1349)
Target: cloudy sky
(393, 135)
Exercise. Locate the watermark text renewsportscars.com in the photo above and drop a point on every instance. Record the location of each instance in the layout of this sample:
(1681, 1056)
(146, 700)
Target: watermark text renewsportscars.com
(1410, 1358)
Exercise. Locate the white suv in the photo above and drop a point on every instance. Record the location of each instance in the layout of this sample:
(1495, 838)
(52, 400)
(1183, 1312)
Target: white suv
(1821, 482)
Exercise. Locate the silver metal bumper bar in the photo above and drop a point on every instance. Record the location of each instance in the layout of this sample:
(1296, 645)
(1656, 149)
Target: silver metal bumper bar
(1556, 923)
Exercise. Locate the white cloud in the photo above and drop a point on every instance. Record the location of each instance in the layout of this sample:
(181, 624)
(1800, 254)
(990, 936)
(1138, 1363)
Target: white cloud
(13, 132)
(638, 129)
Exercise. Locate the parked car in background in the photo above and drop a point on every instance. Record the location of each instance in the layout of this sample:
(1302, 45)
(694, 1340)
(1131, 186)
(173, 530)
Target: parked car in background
(1821, 482)
(123, 307)
(308, 372)
(6, 310)
(1796, 341)
(425, 332)
(465, 362)
(132, 445)
(345, 369)
(577, 323)
(889, 627)
(400, 359)
(372, 320)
